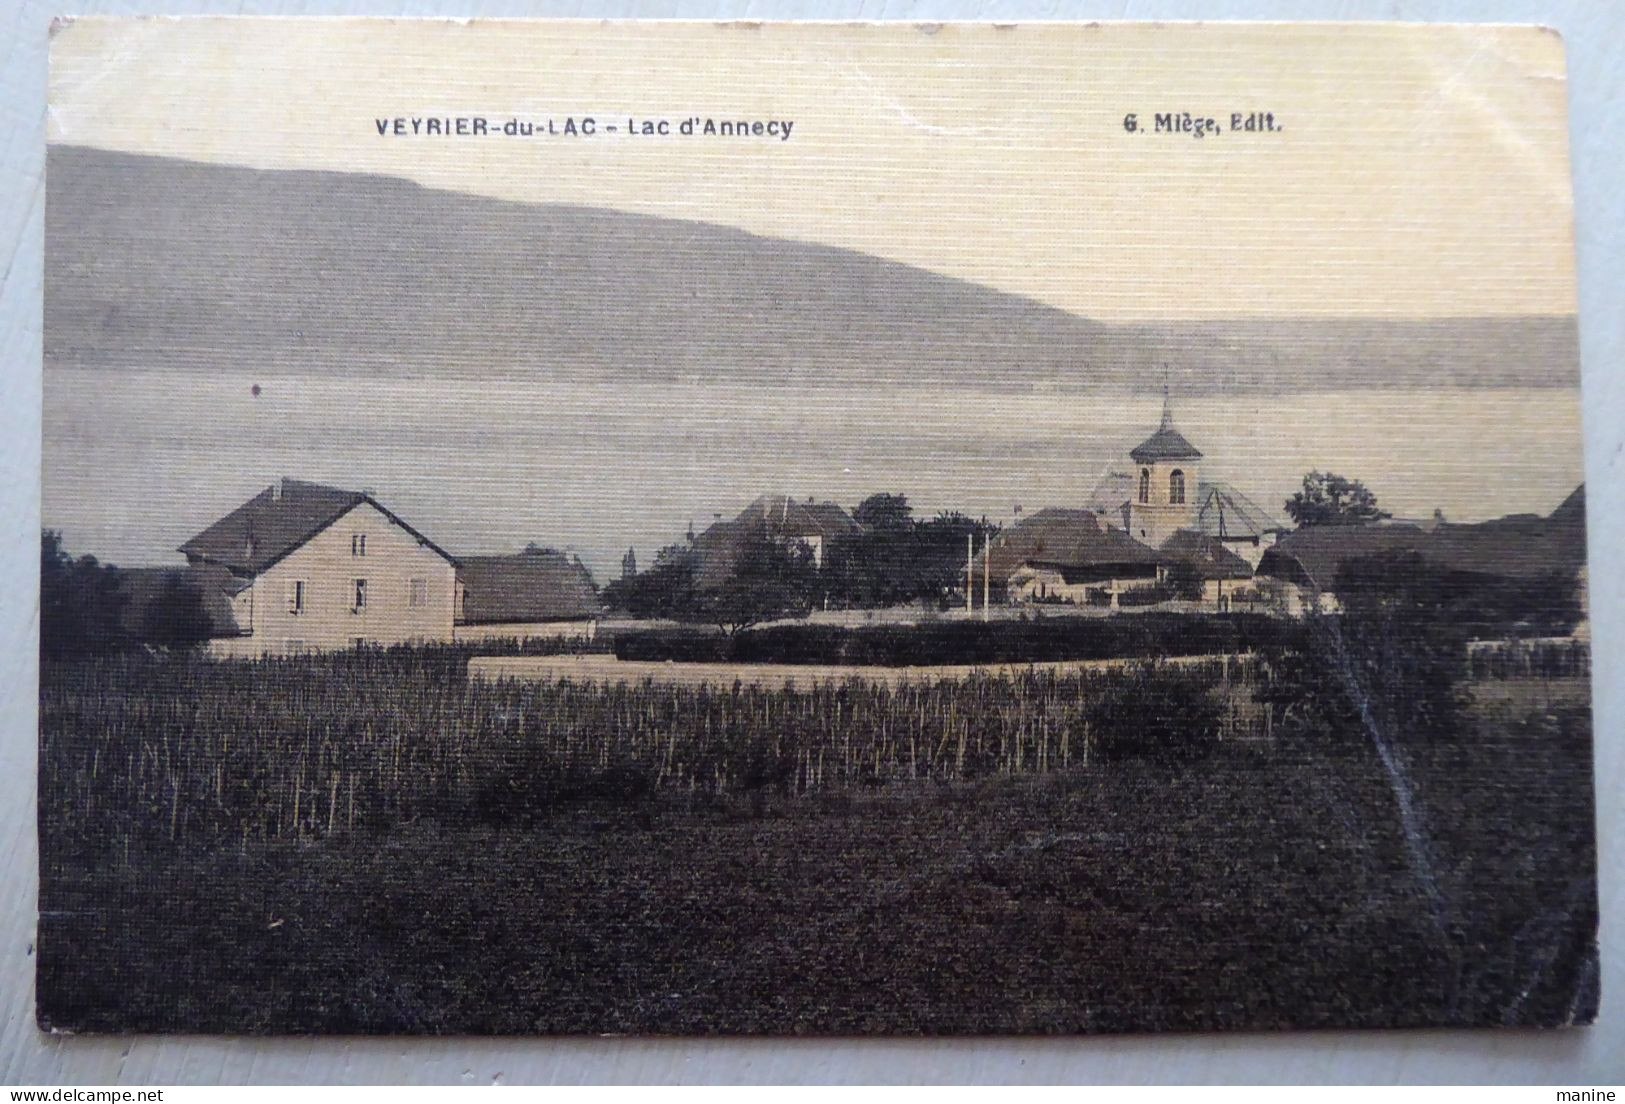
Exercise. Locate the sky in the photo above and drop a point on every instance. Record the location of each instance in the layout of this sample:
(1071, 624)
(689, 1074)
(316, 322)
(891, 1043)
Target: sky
(1417, 170)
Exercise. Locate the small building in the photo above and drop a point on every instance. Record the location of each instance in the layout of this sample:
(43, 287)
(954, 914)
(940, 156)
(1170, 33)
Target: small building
(780, 518)
(1300, 571)
(536, 593)
(1226, 578)
(1066, 556)
(306, 567)
(1244, 527)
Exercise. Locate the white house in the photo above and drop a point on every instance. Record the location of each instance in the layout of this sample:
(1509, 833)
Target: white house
(305, 567)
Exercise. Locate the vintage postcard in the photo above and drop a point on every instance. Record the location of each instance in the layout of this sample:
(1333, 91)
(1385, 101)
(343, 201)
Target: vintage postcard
(675, 528)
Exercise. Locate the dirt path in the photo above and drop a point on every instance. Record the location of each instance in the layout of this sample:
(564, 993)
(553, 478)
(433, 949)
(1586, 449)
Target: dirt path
(608, 669)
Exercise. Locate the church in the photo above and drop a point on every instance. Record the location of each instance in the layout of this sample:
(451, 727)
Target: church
(1150, 520)
(1161, 492)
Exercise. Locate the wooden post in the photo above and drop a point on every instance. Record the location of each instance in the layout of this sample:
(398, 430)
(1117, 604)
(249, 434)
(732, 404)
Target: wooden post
(970, 571)
(987, 569)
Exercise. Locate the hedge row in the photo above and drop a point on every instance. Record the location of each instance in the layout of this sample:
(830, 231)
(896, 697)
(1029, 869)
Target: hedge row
(949, 642)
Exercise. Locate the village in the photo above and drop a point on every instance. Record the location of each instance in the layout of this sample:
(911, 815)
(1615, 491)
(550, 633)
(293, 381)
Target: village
(303, 567)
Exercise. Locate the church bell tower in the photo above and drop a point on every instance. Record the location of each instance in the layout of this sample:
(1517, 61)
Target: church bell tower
(1165, 479)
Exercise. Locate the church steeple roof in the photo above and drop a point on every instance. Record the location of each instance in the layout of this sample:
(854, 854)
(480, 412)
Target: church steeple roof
(1166, 443)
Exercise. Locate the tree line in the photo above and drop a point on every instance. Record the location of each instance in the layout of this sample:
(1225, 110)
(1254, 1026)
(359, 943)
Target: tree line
(85, 607)
(895, 558)
(892, 559)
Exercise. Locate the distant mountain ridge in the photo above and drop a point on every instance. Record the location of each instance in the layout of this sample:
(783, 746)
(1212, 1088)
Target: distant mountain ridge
(161, 263)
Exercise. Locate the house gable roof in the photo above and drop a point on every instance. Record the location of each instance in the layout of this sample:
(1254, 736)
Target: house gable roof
(277, 521)
(528, 587)
(1064, 538)
(778, 517)
(1207, 554)
(1520, 546)
(784, 516)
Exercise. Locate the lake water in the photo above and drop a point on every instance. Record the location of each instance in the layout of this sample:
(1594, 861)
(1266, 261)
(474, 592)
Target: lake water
(137, 462)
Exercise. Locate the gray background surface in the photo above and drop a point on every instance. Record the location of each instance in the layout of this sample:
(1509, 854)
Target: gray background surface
(1593, 31)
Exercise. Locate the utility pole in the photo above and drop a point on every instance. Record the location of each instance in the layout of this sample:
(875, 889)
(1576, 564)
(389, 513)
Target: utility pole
(970, 571)
(987, 569)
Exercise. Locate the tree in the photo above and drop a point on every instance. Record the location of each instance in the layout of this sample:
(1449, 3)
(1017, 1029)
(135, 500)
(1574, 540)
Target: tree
(1185, 581)
(885, 513)
(175, 616)
(535, 549)
(1330, 499)
(1388, 667)
(769, 581)
(766, 580)
(665, 591)
(80, 603)
(939, 553)
(896, 559)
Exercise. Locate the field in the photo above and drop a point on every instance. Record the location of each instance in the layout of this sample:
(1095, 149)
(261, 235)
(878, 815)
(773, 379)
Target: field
(372, 843)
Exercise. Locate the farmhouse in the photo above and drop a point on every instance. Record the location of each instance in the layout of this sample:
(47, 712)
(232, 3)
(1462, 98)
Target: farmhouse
(1301, 570)
(537, 593)
(1071, 556)
(783, 519)
(302, 566)
(1224, 576)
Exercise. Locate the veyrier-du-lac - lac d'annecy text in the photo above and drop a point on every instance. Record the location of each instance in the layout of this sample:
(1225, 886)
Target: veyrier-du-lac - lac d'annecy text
(581, 126)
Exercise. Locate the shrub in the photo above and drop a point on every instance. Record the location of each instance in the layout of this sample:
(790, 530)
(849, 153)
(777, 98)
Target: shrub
(1146, 596)
(1159, 714)
(1038, 640)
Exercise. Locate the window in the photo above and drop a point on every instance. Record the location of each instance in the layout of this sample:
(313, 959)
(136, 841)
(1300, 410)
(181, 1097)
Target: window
(1176, 487)
(296, 597)
(417, 593)
(358, 544)
(360, 602)
(1145, 484)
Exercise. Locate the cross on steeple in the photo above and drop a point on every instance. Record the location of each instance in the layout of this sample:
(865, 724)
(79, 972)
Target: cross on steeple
(1167, 401)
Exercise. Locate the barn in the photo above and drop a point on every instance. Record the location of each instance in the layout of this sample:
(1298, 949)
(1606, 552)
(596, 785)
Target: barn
(539, 592)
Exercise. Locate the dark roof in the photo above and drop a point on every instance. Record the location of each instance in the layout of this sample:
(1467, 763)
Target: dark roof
(1517, 547)
(788, 517)
(1165, 444)
(1207, 554)
(528, 587)
(278, 520)
(1570, 517)
(779, 517)
(214, 584)
(1063, 538)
